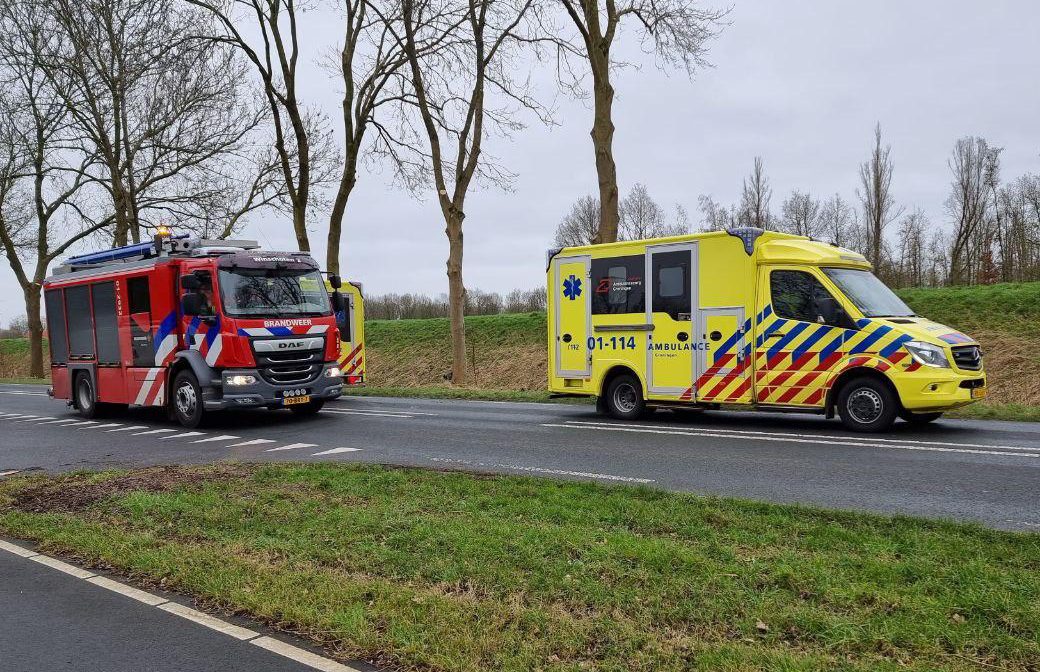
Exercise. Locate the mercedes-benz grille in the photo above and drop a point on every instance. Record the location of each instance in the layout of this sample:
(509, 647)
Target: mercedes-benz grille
(967, 357)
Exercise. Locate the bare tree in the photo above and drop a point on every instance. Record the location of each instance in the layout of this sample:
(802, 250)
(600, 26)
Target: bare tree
(715, 216)
(800, 215)
(755, 197)
(879, 208)
(910, 266)
(678, 31)
(580, 225)
(974, 165)
(461, 60)
(838, 222)
(642, 217)
(267, 33)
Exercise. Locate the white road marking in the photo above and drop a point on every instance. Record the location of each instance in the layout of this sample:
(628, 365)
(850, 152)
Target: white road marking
(9, 473)
(278, 647)
(38, 419)
(374, 414)
(291, 446)
(151, 431)
(782, 438)
(210, 622)
(83, 424)
(12, 416)
(61, 420)
(182, 435)
(300, 656)
(127, 429)
(543, 470)
(254, 442)
(841, 437)
(128, 591)
(30, 394)
(336, 451)
(111, 424)
(222, 437)
(54, 563)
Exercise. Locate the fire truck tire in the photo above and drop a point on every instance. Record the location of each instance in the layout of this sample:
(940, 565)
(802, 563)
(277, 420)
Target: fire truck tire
(866, 404)
(919, 418)
(186, 400)
(310, 408)
(624, 398)
(86, 398)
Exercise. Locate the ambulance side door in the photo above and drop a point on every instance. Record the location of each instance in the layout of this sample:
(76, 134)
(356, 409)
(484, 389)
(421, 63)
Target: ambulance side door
(671, 270)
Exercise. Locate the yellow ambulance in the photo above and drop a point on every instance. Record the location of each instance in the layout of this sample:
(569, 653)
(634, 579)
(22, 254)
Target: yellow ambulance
(351, 322)
(747, 317)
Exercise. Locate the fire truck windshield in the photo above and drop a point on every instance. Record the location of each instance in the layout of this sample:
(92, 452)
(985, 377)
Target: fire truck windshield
(269, 292)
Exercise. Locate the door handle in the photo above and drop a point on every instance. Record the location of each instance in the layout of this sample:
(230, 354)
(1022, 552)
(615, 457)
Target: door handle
(776, 334)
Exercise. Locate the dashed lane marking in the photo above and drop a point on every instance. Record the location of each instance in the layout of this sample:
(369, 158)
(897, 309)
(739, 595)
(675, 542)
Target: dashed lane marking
(373, 414)
(238, 632)
(543, 470)
(336, 451)
(10, 472)
(291, 446)
(111, 424)
(37, 420)
(83, 424)
(783, 438)
(127, 429)
(182, 435)
(254, 442)
(29, 394)
(59, 421)
(222, 437)
(151, 431)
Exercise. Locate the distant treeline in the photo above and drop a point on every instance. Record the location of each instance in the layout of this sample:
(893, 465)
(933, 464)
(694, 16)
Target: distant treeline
(416, 306)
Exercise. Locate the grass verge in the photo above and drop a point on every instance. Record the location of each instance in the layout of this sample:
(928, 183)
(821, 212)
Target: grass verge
(448, 571)
(26, 381)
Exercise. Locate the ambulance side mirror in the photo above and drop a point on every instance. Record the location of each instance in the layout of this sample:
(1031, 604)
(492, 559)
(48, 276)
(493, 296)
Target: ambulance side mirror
(335, 281)
(338, 304)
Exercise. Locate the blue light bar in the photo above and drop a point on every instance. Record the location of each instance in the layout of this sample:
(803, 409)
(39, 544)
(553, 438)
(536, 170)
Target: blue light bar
(116, 253)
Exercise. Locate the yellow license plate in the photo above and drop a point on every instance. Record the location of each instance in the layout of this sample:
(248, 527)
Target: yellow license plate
(292, 401)
(978, 393)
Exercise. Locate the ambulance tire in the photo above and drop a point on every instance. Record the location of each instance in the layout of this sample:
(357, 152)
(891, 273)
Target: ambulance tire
(86, 397)
(310, 408)
(624, 398)
(919, 418)
(866, 404)
(186, 400)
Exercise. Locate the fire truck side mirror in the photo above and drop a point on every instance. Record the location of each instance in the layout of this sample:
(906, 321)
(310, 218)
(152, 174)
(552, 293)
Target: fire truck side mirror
(192, 304)
(335, 281)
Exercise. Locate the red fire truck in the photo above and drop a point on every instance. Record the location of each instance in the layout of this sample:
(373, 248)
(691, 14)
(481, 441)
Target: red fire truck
(193, 326)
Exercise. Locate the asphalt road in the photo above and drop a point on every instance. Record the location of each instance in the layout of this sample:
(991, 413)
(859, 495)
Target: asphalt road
(980, 471)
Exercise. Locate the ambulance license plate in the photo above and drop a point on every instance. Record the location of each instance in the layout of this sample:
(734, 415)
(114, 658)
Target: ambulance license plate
(978, 393)
(292, 401)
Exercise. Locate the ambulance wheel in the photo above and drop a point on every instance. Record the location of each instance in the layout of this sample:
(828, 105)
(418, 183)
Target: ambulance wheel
(86, 399)
(186, 400)
(310, 408)
(624, 398)
(919, 418)
(867, 405)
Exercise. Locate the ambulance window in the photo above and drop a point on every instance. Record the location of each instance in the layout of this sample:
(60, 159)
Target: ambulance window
(796, 295)
(617, 285)
(139, 299)
(56, 327)
(81, 323)
(671, 283)
(107, 335)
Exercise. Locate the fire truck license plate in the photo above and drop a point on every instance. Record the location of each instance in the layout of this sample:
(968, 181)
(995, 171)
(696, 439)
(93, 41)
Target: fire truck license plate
(978, 392)
(289, 401)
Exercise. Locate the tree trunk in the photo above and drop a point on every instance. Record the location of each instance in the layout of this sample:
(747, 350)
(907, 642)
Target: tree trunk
(603, 145)
(32, 313)
(456, 298)
(300, 226)
(339, 207)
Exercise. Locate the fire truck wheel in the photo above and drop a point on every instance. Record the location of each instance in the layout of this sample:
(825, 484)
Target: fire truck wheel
(310, 408)
(187, 399)
(624, 398)
(919, 418)
(867, 405)
(86, 400)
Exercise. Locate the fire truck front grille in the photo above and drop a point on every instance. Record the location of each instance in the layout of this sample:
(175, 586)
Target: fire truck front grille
(968, 357)
(290, 368)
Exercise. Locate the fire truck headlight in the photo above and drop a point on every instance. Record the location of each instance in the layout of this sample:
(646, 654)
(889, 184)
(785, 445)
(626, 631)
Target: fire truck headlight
(927, 354)
(239, 380)
(333, 372)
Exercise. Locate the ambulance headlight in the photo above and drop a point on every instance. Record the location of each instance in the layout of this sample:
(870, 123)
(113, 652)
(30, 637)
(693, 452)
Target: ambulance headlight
(333, 372)
(927, 354)
(239, 379)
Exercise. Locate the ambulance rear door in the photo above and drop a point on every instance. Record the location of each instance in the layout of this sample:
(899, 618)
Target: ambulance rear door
(572, 317)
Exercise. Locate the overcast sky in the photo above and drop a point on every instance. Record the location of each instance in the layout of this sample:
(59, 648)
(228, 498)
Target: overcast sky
(799, 83)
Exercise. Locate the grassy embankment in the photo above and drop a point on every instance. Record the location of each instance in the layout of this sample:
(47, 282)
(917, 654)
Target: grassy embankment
(424, 570)
(507, 353)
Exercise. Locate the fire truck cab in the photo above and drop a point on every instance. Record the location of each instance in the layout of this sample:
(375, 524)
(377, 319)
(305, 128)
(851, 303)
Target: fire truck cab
(194, 326)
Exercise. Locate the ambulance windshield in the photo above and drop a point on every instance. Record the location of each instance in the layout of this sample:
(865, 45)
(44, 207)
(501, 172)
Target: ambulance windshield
(868, 293)
(268, 292)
